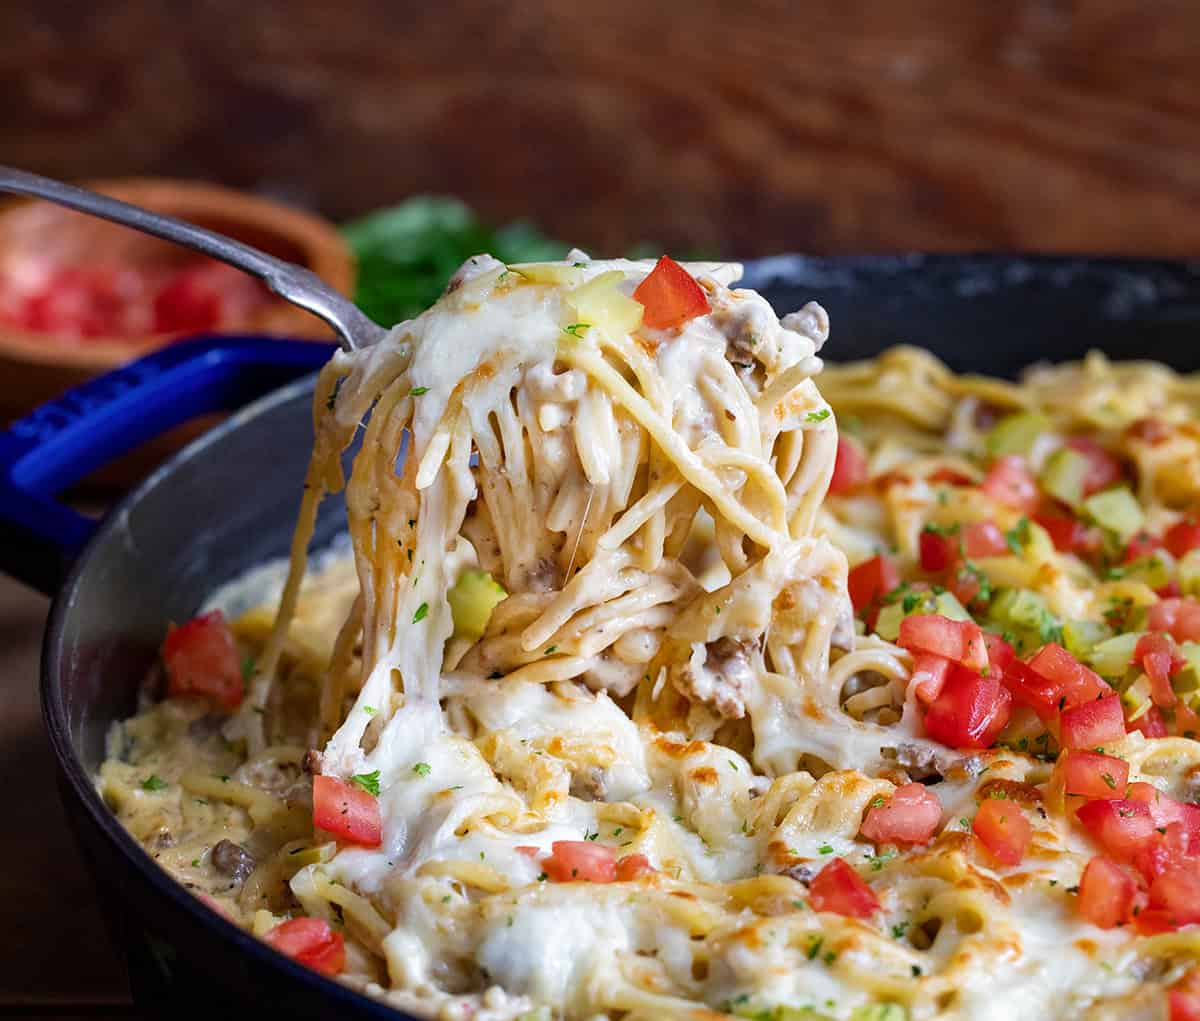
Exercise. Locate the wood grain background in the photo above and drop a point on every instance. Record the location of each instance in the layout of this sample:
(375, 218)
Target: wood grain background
(744, 128)
(737, 128)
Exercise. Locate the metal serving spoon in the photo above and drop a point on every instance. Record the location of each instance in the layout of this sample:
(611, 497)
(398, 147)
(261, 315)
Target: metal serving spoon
(293, 283)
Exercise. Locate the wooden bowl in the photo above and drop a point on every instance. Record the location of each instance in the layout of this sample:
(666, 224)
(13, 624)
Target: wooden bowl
(37, 366)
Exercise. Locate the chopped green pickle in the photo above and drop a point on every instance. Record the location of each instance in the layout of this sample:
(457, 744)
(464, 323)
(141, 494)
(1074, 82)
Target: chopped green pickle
(1117, 511)
(1064, 474)
(1016, 434)
(1081, 636)
(1111, 657)
(472, 599)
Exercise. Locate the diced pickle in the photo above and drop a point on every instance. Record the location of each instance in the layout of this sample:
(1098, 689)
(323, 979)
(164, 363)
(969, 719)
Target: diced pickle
(472, 598)
(1064, 474)
(1117, 511)
(1016, 434)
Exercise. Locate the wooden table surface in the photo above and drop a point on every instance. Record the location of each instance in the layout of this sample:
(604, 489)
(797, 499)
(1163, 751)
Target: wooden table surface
(739, 129)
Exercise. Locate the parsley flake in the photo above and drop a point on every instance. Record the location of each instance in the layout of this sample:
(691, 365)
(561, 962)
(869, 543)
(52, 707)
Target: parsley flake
(421, 614)
(818, 416)
(577, 329)
(417, 391)
(369, 782)
(422, 769)
(153, 782)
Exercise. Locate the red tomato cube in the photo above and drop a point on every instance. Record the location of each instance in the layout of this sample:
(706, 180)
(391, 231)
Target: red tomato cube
(1010, 482)
(1150, 724)
(634, 866)
(1092, 775)
(984, 539)
(580, 861)
(670, 296)
(1002, 828)
(1121, 828)
(1183, 537)
(1092, 724)
(1177, 891)
(871, 580)
(849, 467)
(1074, 681)
(910, 816)
(970, 711)
(960, 641)
(937, 551)
(1161, 660)
(347, 811)
(1106, 893)
(201, 659)
(929, 675)
(1069, 534)
(1183, 999)
(311, 942)
(838, 888)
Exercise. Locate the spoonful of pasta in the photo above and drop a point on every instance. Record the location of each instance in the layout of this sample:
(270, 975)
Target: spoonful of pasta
(293, 283)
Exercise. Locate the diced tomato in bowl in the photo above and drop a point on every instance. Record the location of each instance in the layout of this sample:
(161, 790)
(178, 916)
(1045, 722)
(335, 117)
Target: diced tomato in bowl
(838, 888)
(201, 658)
(910, 816)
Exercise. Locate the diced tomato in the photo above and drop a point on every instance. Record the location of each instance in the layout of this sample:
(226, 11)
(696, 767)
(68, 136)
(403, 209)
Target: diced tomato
(1029, 689)
(1150, 724)
(1170, 590)
(1103, 471)
(1074, 681)
(582, 861)
(1001, 655)
(1010, 482)
(1069, 534)
(937, 551)
(1161, 660)
(970, 711)
(1170, 847)
(204, 295)
(1092, 775)
(1106, 893)
(633, 866)
(528, 850)
(1182, 537)
(838, 888)
(960, 641)
(201, 659)
(1181, 617)
(311, 942)
(346, 811)
(1139, 547)
(1121, 828)
(910, 816)
(1152, 922)
(1092, 724)
(1165, 810)
(85, 301)
(929, 675)
(1183, 998)
(1002, 828)
(984, 539)
(670, 296)
(1177, 891)
(871, 580)
(849, 467)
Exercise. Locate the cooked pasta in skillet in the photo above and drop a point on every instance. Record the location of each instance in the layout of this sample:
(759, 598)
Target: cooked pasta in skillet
(656, 682)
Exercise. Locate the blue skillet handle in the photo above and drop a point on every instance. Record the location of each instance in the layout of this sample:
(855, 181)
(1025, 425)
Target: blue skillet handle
(62, 441)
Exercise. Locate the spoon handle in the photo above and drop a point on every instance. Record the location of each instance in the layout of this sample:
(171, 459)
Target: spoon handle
(293, 283)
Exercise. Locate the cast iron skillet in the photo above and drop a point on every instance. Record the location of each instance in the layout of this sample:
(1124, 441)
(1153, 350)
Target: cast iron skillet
(228, 502)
